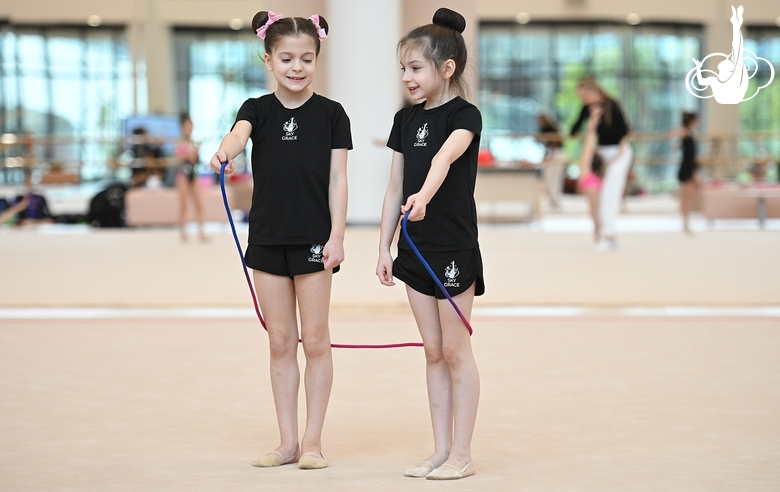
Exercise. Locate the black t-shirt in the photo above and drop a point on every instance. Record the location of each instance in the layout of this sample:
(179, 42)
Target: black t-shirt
(612, 127)
(291, 164)
(450, 221)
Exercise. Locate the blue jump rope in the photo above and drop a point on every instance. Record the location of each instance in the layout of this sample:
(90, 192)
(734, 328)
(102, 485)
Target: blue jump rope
(337, 345)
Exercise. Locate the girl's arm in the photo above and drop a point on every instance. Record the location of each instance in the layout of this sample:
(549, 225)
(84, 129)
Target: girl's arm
(392, 204)
(333, 253)
(454, 147)
(232, 145)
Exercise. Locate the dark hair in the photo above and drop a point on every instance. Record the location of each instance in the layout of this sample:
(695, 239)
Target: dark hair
(688, 118)
(441, 41)
(588, 82)
(287, 26)
(184, 117)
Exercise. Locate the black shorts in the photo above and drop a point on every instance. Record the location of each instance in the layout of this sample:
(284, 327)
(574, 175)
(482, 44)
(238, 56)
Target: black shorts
(457, 270)
(286, 261)
(685, 174)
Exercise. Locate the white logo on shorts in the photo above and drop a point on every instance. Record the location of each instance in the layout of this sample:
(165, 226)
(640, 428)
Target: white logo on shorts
(451, 272)
(316, 253)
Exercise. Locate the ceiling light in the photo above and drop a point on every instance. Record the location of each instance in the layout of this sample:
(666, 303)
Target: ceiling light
(523, 18)
(236, 24)
(94, 20)
(633, 19)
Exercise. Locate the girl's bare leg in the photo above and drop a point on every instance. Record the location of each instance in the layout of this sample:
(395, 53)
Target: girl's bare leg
(686, 198)
(276, 295)
(181, 189)
(198, 204)
(426, 314)
(313, 292)
(592, 194)
(456, 348)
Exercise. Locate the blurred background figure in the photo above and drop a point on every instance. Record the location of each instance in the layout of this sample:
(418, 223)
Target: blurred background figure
(8, 213)
(591, 171)
(555, 160)
(614, 150)
(36, 210)
(186, 178)
(686, 175)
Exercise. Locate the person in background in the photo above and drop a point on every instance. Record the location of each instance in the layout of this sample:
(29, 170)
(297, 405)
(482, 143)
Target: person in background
(614, 150)
(590, 171)
(186, 178)
(9, 213)
(554, 162)
(37, 209)
(686, 175)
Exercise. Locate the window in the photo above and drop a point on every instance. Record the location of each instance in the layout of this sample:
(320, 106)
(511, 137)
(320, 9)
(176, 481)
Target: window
(216, 71)
(526, 69)
(760, 116)
(530, 69)
(70, 88)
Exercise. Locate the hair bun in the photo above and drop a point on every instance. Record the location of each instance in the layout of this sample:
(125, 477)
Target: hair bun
(259, 20)
(449, 18)
(324, 24)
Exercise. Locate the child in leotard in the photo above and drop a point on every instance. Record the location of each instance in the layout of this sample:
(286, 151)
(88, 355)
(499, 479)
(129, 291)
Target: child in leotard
(433, 173)
(686, 175)
(590, 170)
(186, 177)
(296, 224)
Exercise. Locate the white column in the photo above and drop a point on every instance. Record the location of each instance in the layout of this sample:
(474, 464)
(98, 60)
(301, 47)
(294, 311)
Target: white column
(364, 76)
(158, 52)
(721, 119)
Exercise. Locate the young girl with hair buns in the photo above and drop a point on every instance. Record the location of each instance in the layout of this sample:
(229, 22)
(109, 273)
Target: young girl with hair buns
(433, 173)
(296, 224)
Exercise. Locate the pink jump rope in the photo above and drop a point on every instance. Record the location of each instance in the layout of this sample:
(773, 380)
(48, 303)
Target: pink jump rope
(337, 345)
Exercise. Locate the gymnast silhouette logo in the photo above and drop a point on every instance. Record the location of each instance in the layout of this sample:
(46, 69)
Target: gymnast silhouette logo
(289, 128)
(730, 84)
(451, 272)
(316, 253)
(422, 134)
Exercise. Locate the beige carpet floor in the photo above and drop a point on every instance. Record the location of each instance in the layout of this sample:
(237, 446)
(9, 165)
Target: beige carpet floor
(590, 403)
(151, 268)
(604, 404)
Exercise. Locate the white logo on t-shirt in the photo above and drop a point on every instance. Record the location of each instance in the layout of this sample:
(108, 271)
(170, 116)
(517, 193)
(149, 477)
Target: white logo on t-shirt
(289, 127)
(316, 253)
(422, 134)
(451, 272)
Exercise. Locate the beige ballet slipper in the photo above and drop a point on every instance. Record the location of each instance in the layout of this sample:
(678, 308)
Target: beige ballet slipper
(420, 471)
(274, 458)
(312, 461)
(450, 472)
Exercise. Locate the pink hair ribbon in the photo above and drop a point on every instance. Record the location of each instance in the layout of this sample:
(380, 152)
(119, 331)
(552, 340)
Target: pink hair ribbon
(315, 19)
(271, 19)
